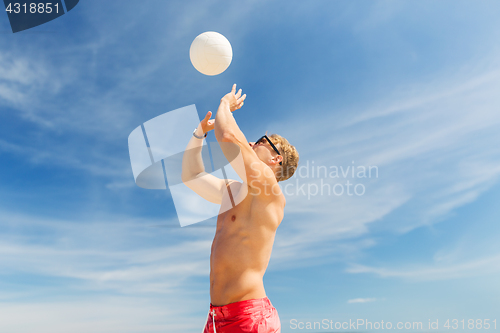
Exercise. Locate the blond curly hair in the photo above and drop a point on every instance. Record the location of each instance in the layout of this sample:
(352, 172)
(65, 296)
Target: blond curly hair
(290, 157)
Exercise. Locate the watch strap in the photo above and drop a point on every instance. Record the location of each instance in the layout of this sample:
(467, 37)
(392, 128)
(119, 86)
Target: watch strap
(199, 137)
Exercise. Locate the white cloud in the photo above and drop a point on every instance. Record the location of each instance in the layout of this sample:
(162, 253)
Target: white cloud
(102, 314)
(115, 274)
(330, 228)
(82, 101)
(433, 144)
(361, 300)
(478, 267)
(126, 256)
(430, 141)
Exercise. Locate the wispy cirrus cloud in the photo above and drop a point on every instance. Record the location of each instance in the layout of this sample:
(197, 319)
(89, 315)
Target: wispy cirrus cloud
(361, 300)
(432, 153)
(69, 101)
(478, 267)
(103, 255)
(113, 274)
(102, 314)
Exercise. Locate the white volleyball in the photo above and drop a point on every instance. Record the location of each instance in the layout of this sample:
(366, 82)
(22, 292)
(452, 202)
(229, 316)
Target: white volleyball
(211, 53)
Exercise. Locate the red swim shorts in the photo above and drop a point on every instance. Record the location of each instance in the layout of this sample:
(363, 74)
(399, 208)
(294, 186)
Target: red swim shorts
(250, 316)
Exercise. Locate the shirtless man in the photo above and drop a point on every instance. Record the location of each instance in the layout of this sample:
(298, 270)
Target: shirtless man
(250, 214)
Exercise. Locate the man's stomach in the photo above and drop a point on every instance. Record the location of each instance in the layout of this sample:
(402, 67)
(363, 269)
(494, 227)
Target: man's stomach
(231, 286)
(237, 267)
(239, 257)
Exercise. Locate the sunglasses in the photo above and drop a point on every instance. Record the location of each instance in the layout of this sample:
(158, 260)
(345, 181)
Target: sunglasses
(272, 145)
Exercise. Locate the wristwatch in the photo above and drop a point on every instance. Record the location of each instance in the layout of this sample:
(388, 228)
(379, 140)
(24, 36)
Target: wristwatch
(199, 137)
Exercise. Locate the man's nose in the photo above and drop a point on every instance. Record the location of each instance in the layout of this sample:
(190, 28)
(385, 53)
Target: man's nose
(251, 144)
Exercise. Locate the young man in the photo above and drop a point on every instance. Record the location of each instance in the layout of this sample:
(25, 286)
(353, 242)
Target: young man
(246, 226)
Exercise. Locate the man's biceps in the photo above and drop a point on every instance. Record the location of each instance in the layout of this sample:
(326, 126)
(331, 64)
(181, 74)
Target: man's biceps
(208, 187)
(212, 181)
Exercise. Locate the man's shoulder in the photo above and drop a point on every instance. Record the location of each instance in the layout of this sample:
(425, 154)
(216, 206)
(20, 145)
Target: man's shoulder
(260, 196)
(270, 194)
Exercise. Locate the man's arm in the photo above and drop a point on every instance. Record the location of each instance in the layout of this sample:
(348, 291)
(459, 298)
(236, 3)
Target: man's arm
(249, 167)
(194, 176)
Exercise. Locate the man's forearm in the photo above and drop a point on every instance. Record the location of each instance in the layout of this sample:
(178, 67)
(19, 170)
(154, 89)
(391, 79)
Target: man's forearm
(225, 124)
(192, 162)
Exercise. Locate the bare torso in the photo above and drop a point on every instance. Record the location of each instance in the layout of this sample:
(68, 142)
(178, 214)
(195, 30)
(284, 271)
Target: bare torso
(242, 245)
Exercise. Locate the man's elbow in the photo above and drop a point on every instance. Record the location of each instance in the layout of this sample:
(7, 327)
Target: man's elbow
(187, 176)
(184, 177)
(225, 136)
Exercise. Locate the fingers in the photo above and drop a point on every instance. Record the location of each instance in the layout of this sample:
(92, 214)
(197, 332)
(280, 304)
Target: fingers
(242, 98)
(208, 115)
(239, 99)
(239, 105)
(238, 94)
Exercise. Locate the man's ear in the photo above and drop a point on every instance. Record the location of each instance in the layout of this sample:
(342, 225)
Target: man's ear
(278, 159)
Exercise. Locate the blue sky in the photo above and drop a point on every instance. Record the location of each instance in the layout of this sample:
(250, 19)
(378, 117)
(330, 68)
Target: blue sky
(408, 87)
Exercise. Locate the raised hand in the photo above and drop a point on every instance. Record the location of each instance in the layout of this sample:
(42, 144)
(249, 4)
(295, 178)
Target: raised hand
(235, 100)
(207, 124)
